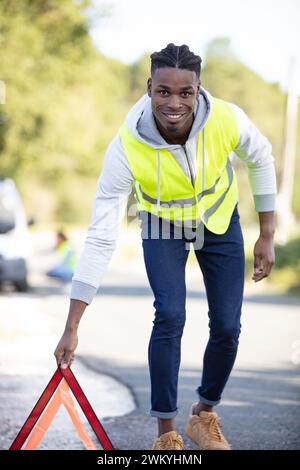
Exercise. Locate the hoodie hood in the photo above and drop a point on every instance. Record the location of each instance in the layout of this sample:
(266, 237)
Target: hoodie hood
(141, 123)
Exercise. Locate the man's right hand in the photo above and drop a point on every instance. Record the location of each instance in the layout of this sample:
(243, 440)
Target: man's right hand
(64, 352)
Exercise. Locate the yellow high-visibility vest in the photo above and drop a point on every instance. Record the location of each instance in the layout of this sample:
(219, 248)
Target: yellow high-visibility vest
(163, 189)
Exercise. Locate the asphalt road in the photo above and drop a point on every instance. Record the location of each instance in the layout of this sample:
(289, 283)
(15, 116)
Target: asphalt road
(261, 403)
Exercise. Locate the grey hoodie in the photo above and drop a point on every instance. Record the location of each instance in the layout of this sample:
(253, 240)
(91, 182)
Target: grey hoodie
(116, 181)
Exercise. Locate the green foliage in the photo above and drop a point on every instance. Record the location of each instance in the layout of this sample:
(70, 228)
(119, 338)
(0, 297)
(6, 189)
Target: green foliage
(289, 254)
(287, 269)
(64, 102)
(139, 73)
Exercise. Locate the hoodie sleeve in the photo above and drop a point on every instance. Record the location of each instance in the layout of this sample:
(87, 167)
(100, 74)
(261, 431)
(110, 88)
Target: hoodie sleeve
(114, 187)
(256, 151)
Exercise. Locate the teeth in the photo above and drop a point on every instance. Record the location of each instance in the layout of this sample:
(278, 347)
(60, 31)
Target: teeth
(175, 116)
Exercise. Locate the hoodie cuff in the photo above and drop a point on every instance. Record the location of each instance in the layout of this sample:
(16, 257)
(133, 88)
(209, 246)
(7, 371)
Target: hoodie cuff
(82, 291)
(264, 202)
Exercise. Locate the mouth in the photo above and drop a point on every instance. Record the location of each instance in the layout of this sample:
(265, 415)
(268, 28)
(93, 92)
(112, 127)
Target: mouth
(173, 117)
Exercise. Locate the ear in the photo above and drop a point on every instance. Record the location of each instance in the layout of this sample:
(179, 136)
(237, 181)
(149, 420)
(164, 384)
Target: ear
(149, 86)
(198, 88)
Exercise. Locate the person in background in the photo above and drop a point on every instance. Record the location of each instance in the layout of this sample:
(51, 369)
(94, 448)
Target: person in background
(64, 270)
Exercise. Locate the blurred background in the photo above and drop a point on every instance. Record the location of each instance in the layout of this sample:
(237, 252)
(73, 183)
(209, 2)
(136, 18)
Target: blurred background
(69, 72)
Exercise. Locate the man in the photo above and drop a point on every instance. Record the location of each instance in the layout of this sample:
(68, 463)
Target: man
(175, 145)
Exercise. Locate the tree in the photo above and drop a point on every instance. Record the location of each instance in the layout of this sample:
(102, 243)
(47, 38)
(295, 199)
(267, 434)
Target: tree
(64, 102)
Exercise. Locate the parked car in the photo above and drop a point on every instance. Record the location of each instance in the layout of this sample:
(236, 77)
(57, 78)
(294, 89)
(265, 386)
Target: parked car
(15, 245)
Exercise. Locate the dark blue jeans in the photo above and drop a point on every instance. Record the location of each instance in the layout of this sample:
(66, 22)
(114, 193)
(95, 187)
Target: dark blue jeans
(221, 260)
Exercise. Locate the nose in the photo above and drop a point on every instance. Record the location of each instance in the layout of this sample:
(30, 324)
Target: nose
(174, 102)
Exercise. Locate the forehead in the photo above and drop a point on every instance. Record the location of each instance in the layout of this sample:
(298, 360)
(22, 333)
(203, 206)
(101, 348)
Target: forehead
(173, 77)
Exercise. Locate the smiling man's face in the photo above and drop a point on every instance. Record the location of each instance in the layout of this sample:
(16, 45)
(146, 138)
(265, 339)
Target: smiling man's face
(173, 95)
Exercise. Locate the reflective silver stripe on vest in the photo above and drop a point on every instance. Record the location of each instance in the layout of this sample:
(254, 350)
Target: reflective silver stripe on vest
(176, 203)
(192, 200)
(181, 202)
(217, 204)
(208, 191)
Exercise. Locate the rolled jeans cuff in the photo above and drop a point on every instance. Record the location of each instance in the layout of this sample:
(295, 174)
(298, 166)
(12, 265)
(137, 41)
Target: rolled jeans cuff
(163, 414)
(208, 402)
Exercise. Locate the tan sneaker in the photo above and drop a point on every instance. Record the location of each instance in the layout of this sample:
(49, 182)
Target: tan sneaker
(205, 431)
(169, 441)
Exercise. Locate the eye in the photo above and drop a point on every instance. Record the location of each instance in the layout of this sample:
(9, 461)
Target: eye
(186, 94)
(163, 92)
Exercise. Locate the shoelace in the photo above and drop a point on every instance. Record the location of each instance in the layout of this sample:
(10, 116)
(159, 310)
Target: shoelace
(167, 443)
(215, 428)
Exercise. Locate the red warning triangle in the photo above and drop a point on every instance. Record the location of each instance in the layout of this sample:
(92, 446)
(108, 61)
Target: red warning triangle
(59, 387)
(62, 396)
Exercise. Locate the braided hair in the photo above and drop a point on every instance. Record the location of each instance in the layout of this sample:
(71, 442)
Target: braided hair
(178, 57)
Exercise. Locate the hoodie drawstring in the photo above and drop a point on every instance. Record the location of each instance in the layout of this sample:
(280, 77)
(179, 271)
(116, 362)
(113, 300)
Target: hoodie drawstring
(158, 181)
(158, 171)
(203, 159)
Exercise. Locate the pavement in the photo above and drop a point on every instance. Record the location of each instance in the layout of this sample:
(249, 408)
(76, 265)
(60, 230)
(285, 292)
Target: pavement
(261, 403)
(28, 339)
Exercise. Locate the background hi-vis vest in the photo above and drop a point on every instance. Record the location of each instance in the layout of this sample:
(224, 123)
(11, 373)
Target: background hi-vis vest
(68, 255)
(163, 189)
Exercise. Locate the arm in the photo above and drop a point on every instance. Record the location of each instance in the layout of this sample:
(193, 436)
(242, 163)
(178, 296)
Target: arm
(64, 352)
(114, 187)
(256, 151)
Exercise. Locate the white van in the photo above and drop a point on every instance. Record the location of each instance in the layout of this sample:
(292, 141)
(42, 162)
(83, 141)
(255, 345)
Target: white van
(15, 245)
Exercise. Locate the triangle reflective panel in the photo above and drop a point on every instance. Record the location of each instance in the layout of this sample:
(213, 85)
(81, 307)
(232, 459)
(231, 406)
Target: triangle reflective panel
(57, 393)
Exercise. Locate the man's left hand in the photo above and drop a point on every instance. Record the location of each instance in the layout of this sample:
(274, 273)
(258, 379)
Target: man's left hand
(264, 258)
